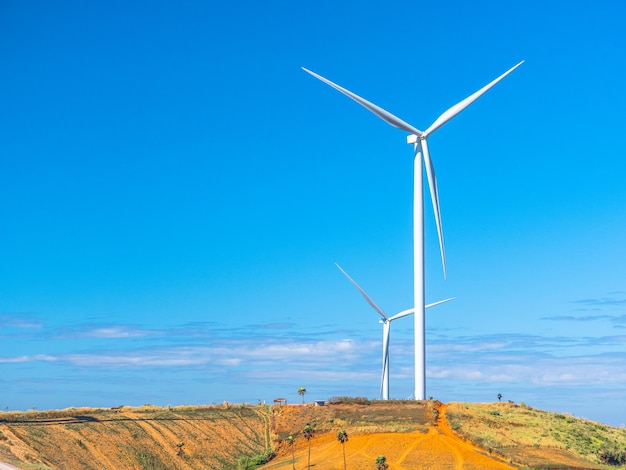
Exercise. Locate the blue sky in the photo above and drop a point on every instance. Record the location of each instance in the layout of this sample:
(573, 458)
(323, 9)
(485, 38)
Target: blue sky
(174, 191)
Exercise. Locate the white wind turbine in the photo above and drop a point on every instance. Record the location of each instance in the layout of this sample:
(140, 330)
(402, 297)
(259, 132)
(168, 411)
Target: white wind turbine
(420, 146)
(386, 321)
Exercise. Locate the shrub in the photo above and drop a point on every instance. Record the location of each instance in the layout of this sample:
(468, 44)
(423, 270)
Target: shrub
(612, 456)
(349, 400)
(149, 461)
(253, 462)
(381, 463)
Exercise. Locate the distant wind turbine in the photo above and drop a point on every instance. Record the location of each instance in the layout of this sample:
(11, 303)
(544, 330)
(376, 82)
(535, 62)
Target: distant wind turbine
(419, 139)
(386, 321)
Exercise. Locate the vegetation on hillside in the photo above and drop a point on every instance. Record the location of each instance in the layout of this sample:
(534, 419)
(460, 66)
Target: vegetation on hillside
(353, 414)
(514, 431)
(128, 438)
(243, 437)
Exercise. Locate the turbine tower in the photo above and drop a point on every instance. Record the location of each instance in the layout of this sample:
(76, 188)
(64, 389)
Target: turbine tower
(386, 322)
(419, 139)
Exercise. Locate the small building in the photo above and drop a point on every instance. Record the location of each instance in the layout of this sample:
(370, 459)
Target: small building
(280, 401)
(319, 402)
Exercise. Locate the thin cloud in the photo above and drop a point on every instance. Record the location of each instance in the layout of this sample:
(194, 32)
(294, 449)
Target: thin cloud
(115, 332)
(619, 321)
(274, 326)
(468, 346)
(276, 357)
(317, 375)
(26, 321)
(230, 353)
(602, 302)
(103, 331)
(550, 371)
(26, 358)
(571, 318)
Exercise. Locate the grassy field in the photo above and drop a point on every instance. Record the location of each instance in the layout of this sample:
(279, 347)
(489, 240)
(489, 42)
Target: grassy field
(424, 435)
(368, 417)
(538, 438)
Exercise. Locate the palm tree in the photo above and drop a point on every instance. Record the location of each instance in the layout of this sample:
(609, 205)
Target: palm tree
(290, 441)
(301, 392)
(381, 463)
(308, 432)
(342, 436)
(499, 397)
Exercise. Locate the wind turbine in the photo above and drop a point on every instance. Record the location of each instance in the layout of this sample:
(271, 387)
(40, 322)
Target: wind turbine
(419, 139)
(386, 321)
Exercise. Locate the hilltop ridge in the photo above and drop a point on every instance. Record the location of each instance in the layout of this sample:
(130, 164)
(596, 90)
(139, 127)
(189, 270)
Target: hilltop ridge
(411, 434)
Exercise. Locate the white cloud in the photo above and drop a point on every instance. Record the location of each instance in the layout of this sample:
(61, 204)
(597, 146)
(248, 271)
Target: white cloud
(567, 371)
(26, 321)
(456, 363)
(228, 353)
(105, 332)
(21, 359)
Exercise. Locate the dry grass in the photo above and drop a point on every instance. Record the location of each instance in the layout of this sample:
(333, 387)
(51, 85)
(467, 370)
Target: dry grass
(408, 433)
(533, 437)
(405, 432)
(134, 438)
(378, 416)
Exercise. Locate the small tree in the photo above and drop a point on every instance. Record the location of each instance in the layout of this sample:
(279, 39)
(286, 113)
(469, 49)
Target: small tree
(308, 432)
(342, 436)
(499, 397)
(301, 392)
(291, 441)
(180, 452)
(381, 463)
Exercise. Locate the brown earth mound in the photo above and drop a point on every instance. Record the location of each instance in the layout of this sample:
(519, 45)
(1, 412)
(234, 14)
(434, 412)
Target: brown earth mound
(151, 438)
(413, 450)
(410, 434)
(421, 441)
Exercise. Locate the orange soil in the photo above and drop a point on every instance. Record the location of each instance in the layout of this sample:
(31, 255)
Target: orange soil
(439, 448)
(134, 438)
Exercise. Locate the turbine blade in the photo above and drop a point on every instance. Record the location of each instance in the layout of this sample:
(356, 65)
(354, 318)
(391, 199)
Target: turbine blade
(401, 314)
(410, 311)
(440, 302)
(460, 106)
(434, 195)
(363, 293)
(377, 110)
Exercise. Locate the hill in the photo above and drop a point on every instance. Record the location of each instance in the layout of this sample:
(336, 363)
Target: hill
(431, 435)
(424, 435)
(150, 438)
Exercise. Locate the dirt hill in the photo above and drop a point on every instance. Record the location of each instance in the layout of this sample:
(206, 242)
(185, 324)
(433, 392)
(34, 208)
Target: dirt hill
(431, 435)
(189, 438)
(411, 435)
